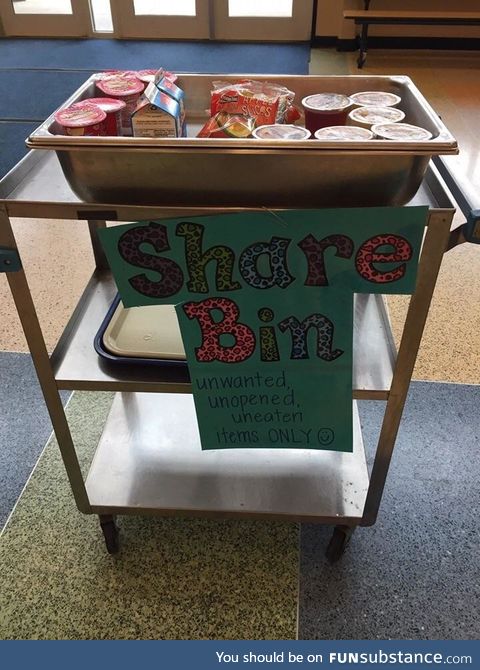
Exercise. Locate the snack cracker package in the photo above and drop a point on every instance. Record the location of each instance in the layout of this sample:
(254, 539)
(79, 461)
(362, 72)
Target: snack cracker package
(267, 103)
(228, 125)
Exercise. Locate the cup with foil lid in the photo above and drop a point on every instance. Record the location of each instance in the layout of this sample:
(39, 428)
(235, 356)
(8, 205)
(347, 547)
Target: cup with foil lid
(344, 134)
(126, 88)
(325, 109)
(112, 108)
(281, 131)
(366, 117)
(82, 119)
(401, 132)
(375, 99)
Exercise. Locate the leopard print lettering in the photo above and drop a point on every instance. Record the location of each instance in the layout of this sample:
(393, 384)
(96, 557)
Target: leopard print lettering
(197, 260)
(299, 332)
(211, 349)
(268, 339)
(277, 251)
(129, 248)
(314, 251)
(367, 255)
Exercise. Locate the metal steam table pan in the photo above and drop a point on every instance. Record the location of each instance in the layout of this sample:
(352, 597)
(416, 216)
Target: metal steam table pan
(191, 171)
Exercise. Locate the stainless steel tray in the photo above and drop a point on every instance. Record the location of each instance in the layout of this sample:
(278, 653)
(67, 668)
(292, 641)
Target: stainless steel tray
(194, 171)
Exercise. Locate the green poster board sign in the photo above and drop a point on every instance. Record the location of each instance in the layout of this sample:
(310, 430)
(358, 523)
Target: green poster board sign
(264, 302)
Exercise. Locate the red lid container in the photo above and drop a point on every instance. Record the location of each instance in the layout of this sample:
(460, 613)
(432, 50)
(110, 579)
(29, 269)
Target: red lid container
(325, 109)
(112, 108)
(126, 88)
(120, 86)
(147, 76)
(82, 119)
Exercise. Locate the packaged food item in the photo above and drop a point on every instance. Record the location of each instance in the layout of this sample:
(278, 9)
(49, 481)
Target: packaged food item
(344, 134)
(147, 76)
(166, 86)
(281, 131)
(156, 115)
(82, 119)
(402, 132)
(265, 102)
(113, 109)
(366, 117)
(325, 109)
(123, 74)
(126, 88)
(228, 125)
(375, 99)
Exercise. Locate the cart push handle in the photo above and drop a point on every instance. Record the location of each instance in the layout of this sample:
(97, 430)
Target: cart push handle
(468, 201)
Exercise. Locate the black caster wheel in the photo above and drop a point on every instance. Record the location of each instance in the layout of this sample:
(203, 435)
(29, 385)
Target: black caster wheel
(338, 543)
(110, 533)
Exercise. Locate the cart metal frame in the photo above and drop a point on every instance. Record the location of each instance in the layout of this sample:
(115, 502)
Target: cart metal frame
(325, 487)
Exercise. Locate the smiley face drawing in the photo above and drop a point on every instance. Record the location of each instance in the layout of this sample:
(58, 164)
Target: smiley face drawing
(325, 436)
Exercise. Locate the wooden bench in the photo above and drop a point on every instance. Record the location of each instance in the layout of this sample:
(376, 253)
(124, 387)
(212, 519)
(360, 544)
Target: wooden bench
(367, 17)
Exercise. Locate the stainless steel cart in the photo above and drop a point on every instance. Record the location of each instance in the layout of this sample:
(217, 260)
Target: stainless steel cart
(135, 469)
(149, 459)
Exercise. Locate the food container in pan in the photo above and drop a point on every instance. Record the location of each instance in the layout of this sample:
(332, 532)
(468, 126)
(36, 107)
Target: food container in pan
(344, 134)
(113, 108)
(375, 99)
(325, 109)
(366, 117)
(281, 131)
(125, 88)
(241, 172)
(82, 119)
(401, 132)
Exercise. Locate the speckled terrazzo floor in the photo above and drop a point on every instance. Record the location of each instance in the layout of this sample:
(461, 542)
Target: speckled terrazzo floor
(174, 578)
(415, 573)
(55, 255)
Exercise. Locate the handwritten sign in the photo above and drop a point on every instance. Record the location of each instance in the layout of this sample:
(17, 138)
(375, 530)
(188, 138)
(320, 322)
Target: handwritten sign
(264, 302)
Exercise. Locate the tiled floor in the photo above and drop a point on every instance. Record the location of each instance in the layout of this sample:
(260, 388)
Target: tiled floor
(24, 426)
(173, 579)
(414, 575)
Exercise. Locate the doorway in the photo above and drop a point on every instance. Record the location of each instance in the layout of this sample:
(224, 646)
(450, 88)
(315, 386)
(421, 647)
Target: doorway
(229, 20)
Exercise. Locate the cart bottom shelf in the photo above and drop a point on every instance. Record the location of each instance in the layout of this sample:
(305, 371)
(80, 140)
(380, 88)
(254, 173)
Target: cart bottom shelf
(149, 460)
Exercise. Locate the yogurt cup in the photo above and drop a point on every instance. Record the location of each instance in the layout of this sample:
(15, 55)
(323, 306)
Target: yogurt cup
(366, 117)
(375, 99)
(401, 132)
(82, 119)
(147, 76)
(343, 134)
(325, 109)
(281, 131)
(112, 108)
(126, 88)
